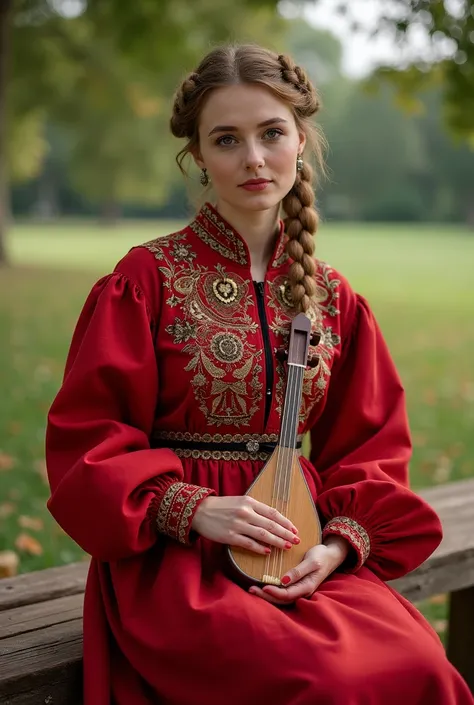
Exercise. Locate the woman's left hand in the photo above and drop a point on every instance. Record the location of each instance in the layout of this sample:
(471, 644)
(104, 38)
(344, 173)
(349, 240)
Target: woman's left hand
(319, 562)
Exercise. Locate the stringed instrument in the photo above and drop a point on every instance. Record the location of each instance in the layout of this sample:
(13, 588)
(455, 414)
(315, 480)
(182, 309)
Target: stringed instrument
(281, 482)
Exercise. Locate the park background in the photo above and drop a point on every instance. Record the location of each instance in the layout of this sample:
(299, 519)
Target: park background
(87, 170)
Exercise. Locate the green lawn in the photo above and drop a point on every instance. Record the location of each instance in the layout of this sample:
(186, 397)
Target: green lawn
(418, 279)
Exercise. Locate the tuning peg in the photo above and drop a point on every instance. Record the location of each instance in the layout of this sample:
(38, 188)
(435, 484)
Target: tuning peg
(314, 339)
(281, 354)
(313, 361)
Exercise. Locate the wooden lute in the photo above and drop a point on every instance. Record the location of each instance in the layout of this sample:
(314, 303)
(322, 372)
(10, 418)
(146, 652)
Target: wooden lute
(281, 482)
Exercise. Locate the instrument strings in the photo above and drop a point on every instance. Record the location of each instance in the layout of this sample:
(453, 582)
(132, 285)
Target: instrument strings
(285, 458)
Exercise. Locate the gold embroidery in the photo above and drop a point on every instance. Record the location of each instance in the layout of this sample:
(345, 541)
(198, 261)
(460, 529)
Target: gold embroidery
(354, 532)
(225, 290)
(227, 347)
(213, 324)
(177, 508)
(252, 441)
(225, 241)
(216, 437)
(315, 379)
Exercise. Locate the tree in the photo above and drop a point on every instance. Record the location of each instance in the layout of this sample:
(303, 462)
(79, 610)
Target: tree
(447, 61)
(54, 54)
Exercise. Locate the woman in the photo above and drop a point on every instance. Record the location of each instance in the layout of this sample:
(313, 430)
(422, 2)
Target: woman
(170, 405)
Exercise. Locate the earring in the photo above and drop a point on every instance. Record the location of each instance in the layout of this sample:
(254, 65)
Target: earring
(299, 163)
(204, 179)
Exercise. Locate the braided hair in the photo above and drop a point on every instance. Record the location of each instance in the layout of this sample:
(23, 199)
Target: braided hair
(233, 64)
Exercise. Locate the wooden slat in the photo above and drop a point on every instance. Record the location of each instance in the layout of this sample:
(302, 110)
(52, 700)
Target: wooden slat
(437, 575)
(43, 666)
(29, 618)
(42, 585)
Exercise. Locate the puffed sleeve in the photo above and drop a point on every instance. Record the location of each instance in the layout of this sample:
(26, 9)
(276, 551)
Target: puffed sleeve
(361, 448)
(110, 491)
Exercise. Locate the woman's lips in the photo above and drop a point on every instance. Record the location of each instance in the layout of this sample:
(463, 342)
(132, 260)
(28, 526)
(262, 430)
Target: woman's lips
(256, 185)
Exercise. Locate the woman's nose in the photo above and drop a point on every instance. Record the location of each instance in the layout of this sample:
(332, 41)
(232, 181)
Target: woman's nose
(254, 158)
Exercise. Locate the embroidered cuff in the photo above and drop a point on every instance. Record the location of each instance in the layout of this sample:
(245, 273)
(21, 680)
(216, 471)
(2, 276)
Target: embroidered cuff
(354, 533)
(177, 508)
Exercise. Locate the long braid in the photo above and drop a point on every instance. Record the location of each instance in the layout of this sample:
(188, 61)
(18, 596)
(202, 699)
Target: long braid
(302, 218)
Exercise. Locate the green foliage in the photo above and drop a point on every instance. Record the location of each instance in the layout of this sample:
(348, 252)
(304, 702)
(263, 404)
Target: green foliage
(108, 75)
(449, 61)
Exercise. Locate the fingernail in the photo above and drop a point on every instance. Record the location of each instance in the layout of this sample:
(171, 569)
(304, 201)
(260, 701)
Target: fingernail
(288, 544)
(268, 550)
(294, 530)
(286, 579)
(296, 539)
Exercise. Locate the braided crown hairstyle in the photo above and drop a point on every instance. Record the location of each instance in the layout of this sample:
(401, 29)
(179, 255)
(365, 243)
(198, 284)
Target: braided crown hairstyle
(257, 65)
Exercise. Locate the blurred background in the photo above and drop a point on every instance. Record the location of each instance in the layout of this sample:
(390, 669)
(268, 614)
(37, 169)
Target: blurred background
(87, 170)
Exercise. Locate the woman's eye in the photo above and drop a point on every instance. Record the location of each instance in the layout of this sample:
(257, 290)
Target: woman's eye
(226, 140)
(273, 133)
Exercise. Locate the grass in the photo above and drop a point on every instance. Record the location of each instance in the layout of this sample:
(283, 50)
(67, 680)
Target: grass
(418, 280)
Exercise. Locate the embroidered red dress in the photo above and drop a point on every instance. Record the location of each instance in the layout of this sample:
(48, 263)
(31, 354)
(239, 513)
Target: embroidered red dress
(172, 361)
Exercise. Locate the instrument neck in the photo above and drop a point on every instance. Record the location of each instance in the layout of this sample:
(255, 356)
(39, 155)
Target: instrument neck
(291, 407)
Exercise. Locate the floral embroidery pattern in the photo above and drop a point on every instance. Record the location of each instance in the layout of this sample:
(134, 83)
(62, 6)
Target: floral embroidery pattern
(213, 324)
(354, 533)
(216, 325)
(177, 509)
(316, 378)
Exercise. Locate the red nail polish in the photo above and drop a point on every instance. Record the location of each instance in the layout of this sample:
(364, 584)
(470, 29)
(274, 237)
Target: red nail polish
(296, 539)
(295, 531)
(268, 550)
(288, 544)
(285, 580)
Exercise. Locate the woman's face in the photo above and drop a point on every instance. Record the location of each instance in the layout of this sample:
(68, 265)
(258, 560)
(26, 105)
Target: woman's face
(246, 134)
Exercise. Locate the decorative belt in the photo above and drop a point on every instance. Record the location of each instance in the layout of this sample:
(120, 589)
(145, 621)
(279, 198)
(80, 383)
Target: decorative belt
(218, 446)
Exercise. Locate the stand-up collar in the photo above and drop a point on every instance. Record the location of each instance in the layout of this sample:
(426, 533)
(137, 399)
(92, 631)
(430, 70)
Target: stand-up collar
(220, 236)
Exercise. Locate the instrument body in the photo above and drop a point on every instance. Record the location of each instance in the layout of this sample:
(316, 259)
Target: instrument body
(281, 482)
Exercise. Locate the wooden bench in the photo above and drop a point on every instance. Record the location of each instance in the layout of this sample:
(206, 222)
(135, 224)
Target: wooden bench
(41, 628)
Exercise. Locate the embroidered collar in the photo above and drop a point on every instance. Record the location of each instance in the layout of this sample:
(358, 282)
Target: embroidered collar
(220, 236)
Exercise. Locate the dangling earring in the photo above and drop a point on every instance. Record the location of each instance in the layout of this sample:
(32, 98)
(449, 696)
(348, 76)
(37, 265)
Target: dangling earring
(299, 163)
(204, 179)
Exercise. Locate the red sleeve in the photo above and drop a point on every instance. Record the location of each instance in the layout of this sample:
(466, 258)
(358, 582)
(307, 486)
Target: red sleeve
(110, 491)
(361, 449)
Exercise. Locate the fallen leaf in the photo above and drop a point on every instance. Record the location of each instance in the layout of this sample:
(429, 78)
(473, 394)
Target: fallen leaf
(7, 509)
(40, 467)
(6, 461)
(9, 563)
(33, 523)
(14, 428)
(443, 469)
(438, 599)
(429, 397)
(440, 625)
(28, 544)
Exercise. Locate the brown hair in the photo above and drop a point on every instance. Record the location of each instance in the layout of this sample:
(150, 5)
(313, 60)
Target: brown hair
(254, 64)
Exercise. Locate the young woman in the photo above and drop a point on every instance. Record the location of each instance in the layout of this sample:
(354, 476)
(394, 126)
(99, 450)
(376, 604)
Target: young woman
(170, 405)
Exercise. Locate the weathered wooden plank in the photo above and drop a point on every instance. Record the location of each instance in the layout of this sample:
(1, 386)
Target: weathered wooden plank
(449, 493)
(42, 664)
(28, 618)
(437, 575)
(42, 585)
(460, 646)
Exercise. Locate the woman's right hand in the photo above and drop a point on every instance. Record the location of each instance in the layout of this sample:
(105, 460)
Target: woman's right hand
(244, 522)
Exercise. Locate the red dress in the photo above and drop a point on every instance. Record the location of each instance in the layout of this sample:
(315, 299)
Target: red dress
(172, 360)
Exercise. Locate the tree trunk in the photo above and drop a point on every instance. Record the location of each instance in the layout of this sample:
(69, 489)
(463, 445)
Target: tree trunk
(5, 29)
(110, 212)
(470, 212)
